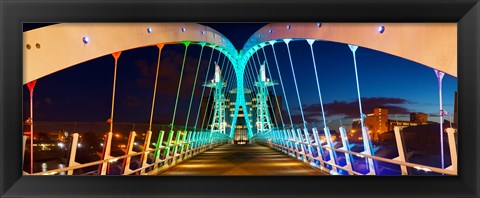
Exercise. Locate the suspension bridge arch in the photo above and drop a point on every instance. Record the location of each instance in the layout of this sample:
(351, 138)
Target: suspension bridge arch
(431, 44)
(44, 53)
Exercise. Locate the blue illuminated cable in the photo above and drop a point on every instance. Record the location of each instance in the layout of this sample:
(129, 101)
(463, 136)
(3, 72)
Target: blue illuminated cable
(295, 81)
(249, 83)
(274, 92)
(210, 94)
(194, 84)
(212, 112)
(311, 41)
(268, 94)
(281, 83)
(249, 80)
(203, 87)
(179, 85)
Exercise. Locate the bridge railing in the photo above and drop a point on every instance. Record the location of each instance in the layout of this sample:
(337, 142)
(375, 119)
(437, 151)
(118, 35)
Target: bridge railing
(299, 144)
(147, 161)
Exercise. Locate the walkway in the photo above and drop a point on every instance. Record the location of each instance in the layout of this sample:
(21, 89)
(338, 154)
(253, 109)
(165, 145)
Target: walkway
(247, 159)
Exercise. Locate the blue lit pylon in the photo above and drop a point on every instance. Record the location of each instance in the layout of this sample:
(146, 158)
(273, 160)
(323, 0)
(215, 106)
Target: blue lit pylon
(217, 83)
(263, 116)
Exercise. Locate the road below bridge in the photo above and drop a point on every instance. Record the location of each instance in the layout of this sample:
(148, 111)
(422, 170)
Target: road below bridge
(247, 159)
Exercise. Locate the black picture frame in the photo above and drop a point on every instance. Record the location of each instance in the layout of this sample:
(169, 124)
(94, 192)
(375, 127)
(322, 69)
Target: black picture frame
(13, 13)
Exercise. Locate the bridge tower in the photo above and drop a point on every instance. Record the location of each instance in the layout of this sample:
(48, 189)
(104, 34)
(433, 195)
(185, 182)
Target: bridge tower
(264, 122)
(217, 83)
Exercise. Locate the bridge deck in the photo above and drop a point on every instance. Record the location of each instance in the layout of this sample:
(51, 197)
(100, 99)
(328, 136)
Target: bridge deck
(248, 159)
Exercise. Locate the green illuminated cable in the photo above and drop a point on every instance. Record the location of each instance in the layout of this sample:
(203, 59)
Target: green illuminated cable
(194, 84)
(186, 43)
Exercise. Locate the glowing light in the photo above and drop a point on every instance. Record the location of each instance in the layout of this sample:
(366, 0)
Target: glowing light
(101, 144)
(79, 145)
(135, 143)
(381, 29)
(86, 39)
(183, 29)
(61, 145)
(50, 173)
(424, 169)
(113, 160)
(149, 30)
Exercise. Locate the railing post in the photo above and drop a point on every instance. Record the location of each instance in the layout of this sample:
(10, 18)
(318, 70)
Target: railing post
(168, 146)
(367, 144)
(297, 147)
(309, 147)
(319, 148)
(401, 149)
(23, 153)
(175, 154)
(302, 146)
(72, 153)
(182, 147)
(291, 141)
(107, 146)
(453, 148)
(158, 145)
(146, 151)
(188, 145)
(126, 162)
(331, 152)
(346, 147)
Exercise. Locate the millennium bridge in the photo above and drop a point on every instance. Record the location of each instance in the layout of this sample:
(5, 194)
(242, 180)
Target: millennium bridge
(241, 86)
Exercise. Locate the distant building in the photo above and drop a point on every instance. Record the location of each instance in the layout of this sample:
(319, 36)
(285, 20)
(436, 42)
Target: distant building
(241, 128)
(419, 118)
(378, 122)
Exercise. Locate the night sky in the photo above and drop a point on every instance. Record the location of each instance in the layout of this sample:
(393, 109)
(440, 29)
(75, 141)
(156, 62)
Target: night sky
(83, 92)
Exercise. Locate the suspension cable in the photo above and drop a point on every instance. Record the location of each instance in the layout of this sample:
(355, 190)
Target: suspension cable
(274, 92)
(116, 55)
(160, 47)
(209, 95)
(194, 84)
(281, 83)
(311, 41)
(203, 87)
(287, 41)
(268, 95)
(179, 84)
(213, 112)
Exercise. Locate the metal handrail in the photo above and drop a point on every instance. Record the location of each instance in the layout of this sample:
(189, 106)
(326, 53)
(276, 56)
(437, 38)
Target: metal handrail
(281, 140)
(187, 152)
